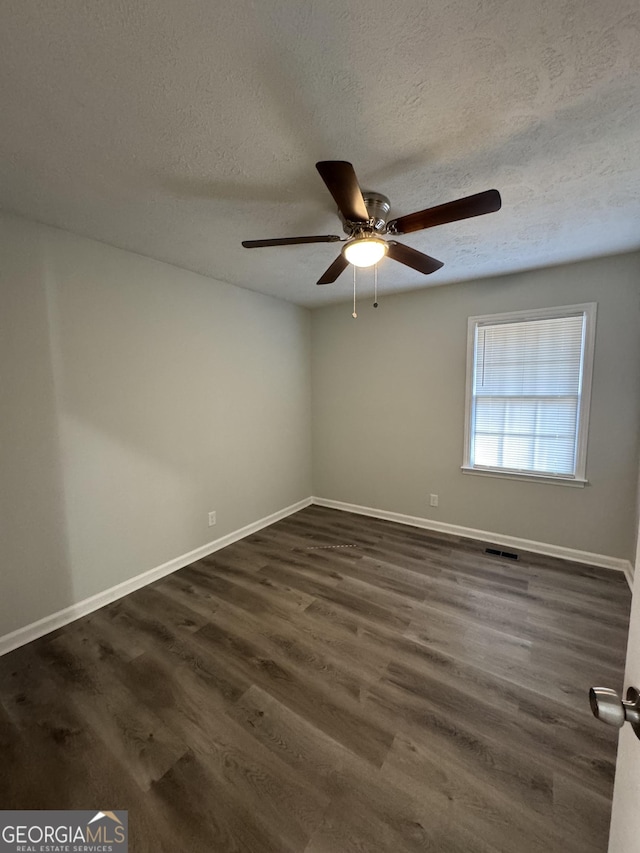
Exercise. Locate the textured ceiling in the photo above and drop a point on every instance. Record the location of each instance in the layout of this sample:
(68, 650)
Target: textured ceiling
(177, 128)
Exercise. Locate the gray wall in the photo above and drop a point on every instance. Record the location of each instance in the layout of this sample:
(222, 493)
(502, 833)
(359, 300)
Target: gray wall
(135, 398)
(389, 396)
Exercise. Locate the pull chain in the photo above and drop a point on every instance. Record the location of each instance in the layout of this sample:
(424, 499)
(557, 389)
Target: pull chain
(354, 315)
(375, 286)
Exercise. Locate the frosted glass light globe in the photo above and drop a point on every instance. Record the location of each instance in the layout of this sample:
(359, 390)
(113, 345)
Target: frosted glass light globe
(365, 251)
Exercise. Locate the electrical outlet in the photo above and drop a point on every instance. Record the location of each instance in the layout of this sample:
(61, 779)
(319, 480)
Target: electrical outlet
(212, 518)
(433, 500)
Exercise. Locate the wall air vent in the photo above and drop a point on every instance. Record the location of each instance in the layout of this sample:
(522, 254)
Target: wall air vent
(495, 552)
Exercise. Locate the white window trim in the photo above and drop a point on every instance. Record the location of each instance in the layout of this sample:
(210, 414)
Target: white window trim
(589, 311)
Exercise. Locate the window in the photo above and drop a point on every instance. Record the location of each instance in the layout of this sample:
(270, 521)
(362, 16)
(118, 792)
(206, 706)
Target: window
(528, 389)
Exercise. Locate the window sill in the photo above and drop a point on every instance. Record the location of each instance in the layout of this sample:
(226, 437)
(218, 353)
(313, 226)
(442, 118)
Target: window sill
(575, 482)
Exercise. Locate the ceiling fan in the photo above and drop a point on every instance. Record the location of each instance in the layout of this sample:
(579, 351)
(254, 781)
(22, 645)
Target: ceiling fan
(364, 220)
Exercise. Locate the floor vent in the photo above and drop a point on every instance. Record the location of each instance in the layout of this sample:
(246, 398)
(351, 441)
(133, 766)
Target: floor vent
(497, 553)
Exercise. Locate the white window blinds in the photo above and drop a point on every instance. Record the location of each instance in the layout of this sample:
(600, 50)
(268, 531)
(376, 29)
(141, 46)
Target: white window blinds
(527, 387)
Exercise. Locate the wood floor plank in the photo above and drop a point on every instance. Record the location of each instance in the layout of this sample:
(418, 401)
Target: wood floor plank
(258, 781)
(130, 730)
(331, 710)
(331, 683)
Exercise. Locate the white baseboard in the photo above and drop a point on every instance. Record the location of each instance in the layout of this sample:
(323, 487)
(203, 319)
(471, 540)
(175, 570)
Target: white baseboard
(600, 560)
(95, 602)
(629, 574)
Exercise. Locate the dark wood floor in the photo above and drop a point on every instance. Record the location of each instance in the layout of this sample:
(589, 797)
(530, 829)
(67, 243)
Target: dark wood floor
(333, 683)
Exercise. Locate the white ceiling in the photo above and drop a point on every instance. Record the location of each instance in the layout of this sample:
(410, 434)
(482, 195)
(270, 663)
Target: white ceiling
(177, 128)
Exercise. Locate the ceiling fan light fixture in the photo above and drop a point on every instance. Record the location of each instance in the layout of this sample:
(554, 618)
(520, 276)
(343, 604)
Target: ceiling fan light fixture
(365, 251)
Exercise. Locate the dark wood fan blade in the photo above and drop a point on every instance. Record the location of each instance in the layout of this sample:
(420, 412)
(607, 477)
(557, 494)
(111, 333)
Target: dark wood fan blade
(341, 181)
(290, 241)
(412, 258)
(338, 266)
(452, 211)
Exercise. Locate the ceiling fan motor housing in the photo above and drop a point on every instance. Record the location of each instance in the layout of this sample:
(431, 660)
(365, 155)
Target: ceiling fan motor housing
(378, 207)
